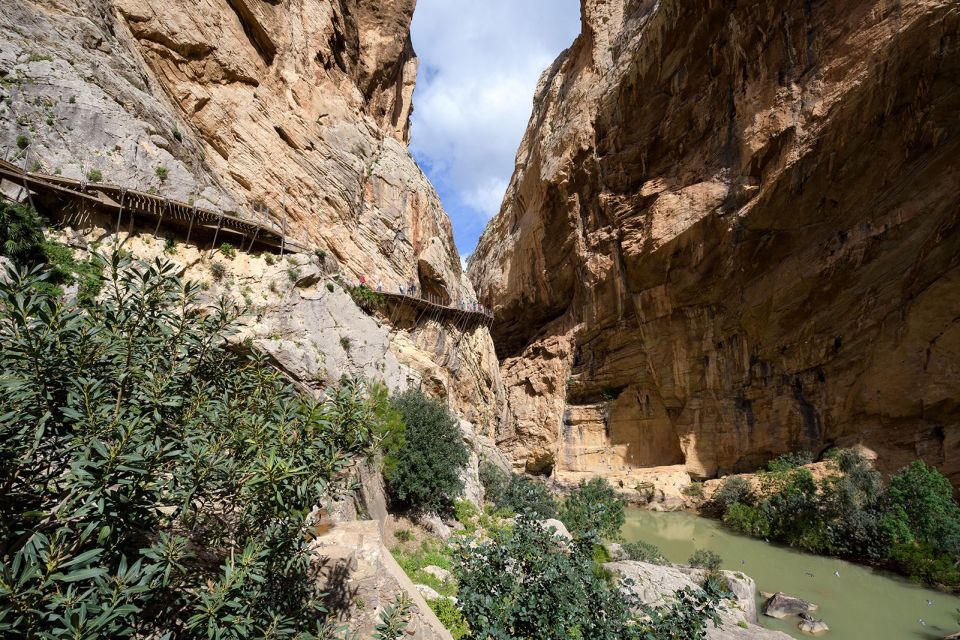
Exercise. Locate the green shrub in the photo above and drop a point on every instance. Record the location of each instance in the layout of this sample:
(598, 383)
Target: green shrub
(594, 508)
(705, 559)
(346, 343)
(530, 585)
(920, 500)
(162, 172)
(694, 490)
(518, 493)
(390, 430)
(749, 520)
(450, 617)
(366, 298)
(644, 552)
(330, 287)
(394, 619)
(293, 274)
(431, 457)
(155, 483)
(21, 234)
(176, 134)
(95, 175)
(494, 481)
(789, 461)
(169, 247)
(403, 535)
(218, 271)
(733, 490)
(270, 259)
(66, 270)
(845, 459)
(23, 141)
(228, 251)
(321, 255)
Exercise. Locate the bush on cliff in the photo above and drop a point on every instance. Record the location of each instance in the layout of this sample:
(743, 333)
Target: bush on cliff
(423, 471)
(155, 484)
(518, 493)
(594, 508)
(529, 584)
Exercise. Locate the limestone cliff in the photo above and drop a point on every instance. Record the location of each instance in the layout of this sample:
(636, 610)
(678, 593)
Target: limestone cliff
(297, 112)
(734, 231)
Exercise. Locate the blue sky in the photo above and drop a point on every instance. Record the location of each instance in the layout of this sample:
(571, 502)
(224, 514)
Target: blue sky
(479, 66)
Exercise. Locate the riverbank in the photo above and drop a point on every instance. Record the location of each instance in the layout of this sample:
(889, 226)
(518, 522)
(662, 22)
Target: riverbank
(860, 602)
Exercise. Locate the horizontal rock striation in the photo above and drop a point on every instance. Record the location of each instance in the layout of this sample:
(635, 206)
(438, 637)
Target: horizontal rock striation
(296, 113)
(736, 228)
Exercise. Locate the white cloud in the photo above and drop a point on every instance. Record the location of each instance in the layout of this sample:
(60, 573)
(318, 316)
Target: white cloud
(479, 66)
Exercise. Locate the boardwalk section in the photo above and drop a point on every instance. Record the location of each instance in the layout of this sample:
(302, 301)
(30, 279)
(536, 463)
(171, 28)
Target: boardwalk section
(431, 306)
(66, 195)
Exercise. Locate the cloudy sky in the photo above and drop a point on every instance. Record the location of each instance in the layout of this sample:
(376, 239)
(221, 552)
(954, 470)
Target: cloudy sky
(479, 65)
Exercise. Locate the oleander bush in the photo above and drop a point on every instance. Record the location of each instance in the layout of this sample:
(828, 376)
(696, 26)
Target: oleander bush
(156, 484)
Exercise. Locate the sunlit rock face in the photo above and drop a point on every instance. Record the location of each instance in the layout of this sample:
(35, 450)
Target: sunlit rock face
(734, 231)
(296, 111)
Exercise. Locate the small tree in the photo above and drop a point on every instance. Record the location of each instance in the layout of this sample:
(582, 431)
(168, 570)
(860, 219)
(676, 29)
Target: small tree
(431, 457)
(519, 493)
(594, 508)
(733, 490)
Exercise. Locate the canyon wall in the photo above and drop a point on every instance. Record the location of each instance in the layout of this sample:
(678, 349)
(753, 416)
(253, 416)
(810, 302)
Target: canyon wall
(296, 112)
(733, 232)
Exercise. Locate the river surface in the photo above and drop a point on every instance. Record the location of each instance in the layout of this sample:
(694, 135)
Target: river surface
(861, 604)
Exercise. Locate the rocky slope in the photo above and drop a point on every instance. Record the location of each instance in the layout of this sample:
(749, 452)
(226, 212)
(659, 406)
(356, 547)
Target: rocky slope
(734, 231)
(297, 112)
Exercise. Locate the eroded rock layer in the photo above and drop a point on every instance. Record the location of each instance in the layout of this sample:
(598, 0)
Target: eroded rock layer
(734, 231)
(295, 111)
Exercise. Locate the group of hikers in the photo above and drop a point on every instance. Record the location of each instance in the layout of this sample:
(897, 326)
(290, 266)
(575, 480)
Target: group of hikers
(411, 290)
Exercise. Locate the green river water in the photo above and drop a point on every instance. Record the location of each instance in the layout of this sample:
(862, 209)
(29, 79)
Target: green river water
(861, 604)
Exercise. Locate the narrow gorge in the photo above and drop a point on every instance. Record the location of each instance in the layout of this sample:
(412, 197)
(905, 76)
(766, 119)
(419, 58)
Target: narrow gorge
(251, 388)
(732, 233)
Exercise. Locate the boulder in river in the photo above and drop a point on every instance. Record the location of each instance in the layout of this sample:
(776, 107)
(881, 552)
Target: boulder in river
(811, 625)
(780, 605)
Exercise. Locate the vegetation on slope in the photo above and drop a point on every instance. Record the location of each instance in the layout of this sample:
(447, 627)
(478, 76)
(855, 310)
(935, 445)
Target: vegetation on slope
(912, 525)
(155, 484)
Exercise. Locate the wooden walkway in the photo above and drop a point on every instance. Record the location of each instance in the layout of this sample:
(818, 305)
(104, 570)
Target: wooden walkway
(433, 306)
(120, 201)
(65, 194)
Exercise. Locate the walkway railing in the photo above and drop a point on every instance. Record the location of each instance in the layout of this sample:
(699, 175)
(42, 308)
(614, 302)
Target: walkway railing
(118, 200)
(430, 304)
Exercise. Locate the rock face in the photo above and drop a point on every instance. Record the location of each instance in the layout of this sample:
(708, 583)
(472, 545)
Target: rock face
(364, 579)
(294, 111)
(732, 233)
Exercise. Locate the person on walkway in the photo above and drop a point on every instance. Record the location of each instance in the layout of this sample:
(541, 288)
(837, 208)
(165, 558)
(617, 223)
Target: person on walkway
(402, 292)
(380, 286)
(363, 280)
